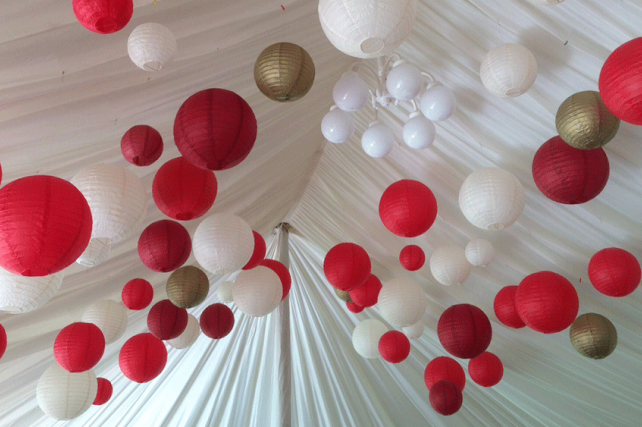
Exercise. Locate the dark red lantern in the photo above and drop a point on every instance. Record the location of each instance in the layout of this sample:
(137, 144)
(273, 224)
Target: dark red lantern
(215, 129)
(182, 191)
(217, 321)
(142, 358)
(105, 390)
(614, 272)
(486, 370)
(408, 208)
(45, 225)
(444, 368)
(367, 294)
(3, 341)
(394, 347)
(79, 347)
(569, 175)
(619, 82)
(281, 271)
(164, 246)
(464, 331)
(347, 266)
(412, 258)
(259, 255)
(505, 308)
(547, 302)
(166, 321)
(354, 308)
(141, 145)
(445, 398)
(103, 16)
(137, 294)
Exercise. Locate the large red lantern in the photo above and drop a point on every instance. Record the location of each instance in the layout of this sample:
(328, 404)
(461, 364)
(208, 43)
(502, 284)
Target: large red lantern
(3, 341)
(464, 331)
(412, 257)
(141, 145)
(281, 271)
(79, 347)
(394, 347)
(105, 390)
(505, 308)
(45, 225)
(445, 398)
(619, 82)
(166, 321)
(217, 321)
(347, 266)
(486, 370)
(258, 255)
(444, 368)
(614, 272)
(103, 16)
(142, 358)
(408, 208)
(367, 294)
(569, 175)
(547, 302)
(215, 129)
(137, 294)
(164, 246)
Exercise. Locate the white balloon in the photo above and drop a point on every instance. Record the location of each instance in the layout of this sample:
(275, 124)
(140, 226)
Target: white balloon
(418, 132)
(437, 103)
(257, 292)
(189, 335)
(404, 81)
(366, 336)
(402, 302)
(337, 126)
(377, 141)
(224, 292)
(350, 93)
(223, 243)
(64, 395)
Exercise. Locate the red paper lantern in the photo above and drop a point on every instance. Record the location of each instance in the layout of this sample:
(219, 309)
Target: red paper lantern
(281, 271)
(394, 347)
(569, 175)
(408, 208)
(182, 191)
(547, 302)
(45, 225)
(354, 308)
(614, 272)
(105, 390)
(259, 255)
(444, 368)
(367, 294)
(142, 358)
(445, 398)
(141, 145)
(3, 341)
(347, 266)
(103, 16)
(217, 321)
(464, 331)
(412, 258)
(486, 370)
(505, 308)
(79, 347)
(166, 321)
(215, 129)
(137, 294)
(619, 82)
(164, 246)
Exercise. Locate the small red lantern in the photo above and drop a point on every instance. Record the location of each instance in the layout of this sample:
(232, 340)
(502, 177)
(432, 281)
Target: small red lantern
(137, 294)
(614, 272)
(166, 321)
(103, 16)
(281, 271)
(408, 208)
(445, 398)
(3, 341)
(258, 255)
(347, 266)
(79, 347)
(464, 331)
(105, 390)
(486, 370)
(505, 308)
(354, 308)
(141, 145)
(412, 257)
(217, 321)
(444, 368)
(367, 294)
(620, 82)
(142, 358)
(394, 347)
(164, 246)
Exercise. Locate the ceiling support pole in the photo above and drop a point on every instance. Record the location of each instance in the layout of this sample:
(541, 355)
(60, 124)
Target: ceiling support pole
(283, 314)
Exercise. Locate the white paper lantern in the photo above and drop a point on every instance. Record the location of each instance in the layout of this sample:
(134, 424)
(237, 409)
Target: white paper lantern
(257, 292)
(480, 252)
(150, 46)
(437, 103)
(414, 331)
(404, 81)
(223, 243)
(449, 266)
(366, 336)
(109, 316)
(377, 141)
(491, 198)
(508, 70)
(402, 302)
(350, 93)
(64, 395)
(189, 335)
(21, 294)
(337, 126)
(418, 132)
(224, 292)
(117, 199)
(367, 28)
(96, 253)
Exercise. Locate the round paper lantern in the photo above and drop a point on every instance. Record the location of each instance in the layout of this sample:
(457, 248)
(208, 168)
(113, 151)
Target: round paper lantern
(79, 347)
(20, 294)
(215, 129)
(394, 347)
(593, 336)
(350, 92)
(103, 16)
(137, 294)
(223, 243)
(366, 336)
(164, 246)
(437, 103)
(464, 331)
(3, 341)
(377, 141)
(584, 122)
(508, 70)
(347, 266)
(444, 369)
(480, 252)
(284, 72)
(407, 208)
(187, 287)
(505, 308)
(445, 398)
(257, 292)
(189, 335)
(259, 252)
(217, 321)
(342, 295)
(414, 331)
(117, 199)
(45, 224)
(449, 265)
(150, 46)
(281, 271)
(614, 272)
(224, 292)
(63, 395)
(619, 82)
(491, 198)
(105, 390)
(412, 257)
(547, 302)
(402, 302)
(96, 253)
(366, 29)
(569, 175)
(166, 321)
(142, 358)
(354, 308)
(404, 81)
(182, 191)
(141, 145)
(367, 294)
(109, 316)
(337, 126)
(486, 370)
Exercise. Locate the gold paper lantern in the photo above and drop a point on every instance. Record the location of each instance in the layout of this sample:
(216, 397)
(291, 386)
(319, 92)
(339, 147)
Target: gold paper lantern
(584, 122)
(593, 335)
(284, 72)
(343, 295)
(187, 287)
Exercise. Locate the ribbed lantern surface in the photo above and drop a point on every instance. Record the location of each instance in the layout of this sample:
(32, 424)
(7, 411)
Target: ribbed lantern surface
(64, 395)
(284, 72)
(151, 46)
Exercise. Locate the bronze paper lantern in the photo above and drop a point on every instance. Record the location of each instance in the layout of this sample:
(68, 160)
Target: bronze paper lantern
(584, 122)
(187, 287)
(284, 72)
(343, 295)
(593, 335)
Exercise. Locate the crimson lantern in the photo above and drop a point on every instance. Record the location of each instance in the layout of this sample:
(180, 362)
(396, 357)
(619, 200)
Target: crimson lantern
(445, 397)
(408, 208)
(486, 370)
(142, 358)
(259, 255)
(412, 257)
(347, 266)
(444, 368)
(141, 145)
(367, 294)
(3, 341)
(394, 347)
(354, 308)
(103, 16)
(281, 271)
(217, 321)
(166, 321)
(619, 82)
(137, 294)
(505, 308)
(464, 331)
(79, 347)
(105, 390)
(164, 246)
(614, 272)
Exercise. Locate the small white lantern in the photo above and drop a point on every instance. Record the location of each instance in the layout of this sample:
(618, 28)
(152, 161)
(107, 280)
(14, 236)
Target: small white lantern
(480, 252)
(189, 335)
(377, 141)
(21, 294)
(337, 126)
(109, 316)
(223, 243)
(418, 132)
(257, 292)
(96, 253)
(437, 103)
(404, 81)
(414, 331)
(224, 292)
(449, 266)
(366, 336)
(350, 93)
(64, 395)
(508, 70)
(402, 302)
(150, 46)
